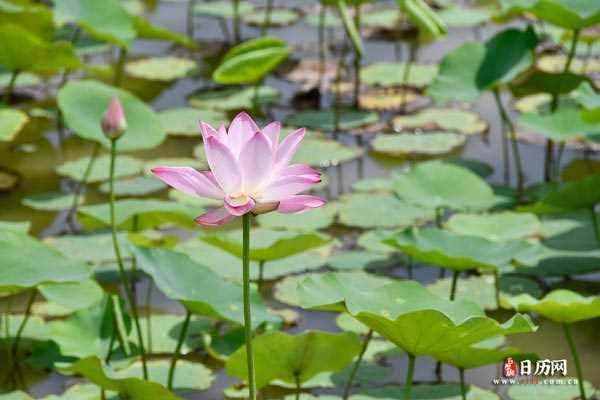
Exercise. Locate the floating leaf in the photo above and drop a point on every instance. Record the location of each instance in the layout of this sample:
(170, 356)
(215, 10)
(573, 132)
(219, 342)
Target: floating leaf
(278, 17)
(72, 296)
(561, 305)
(325, 120)
(456, 15)
(147, 214)
(137, 186)
(11, 122)
(290, 358)
(564, 124)
(27, 263)
(462, 121)
(411, 144)
(479, 289)
(392, 74)
(93, 248)
(188, 375)
(223, 9)
(319, 218)
(83, 104)
(124, 166)
(325, 153)
(50, 201)
(22, 227)
(185, 121)
(233, 99)
(198, 288)
(373, 185)
(500, 226)
(358, 259)
(251, 61)
(579, 169)
(570, 196)
(147, 30)
(160, 68)
(366, 210)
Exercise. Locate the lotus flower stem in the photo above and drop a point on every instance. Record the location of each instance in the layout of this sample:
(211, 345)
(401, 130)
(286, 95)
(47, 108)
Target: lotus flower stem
(409, 377)
(322, 43)
(507, 124)
(237, 37)
(357, 363)
(595, 226)
(267, 22)
(578, 369)
(81, 186)
(190, 18)
(17, 339)
(247, 310)
(455, 276)
(549, 159)
(497, 288)
(149, 315)
(120, 67)
(463, 388)
(298, 386)
(182, 336)
(338, 81)
(357, 57)
(261, 271)
(11, 86)
(122, 273)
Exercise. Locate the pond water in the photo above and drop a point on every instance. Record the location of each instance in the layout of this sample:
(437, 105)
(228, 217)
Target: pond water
(37, 152)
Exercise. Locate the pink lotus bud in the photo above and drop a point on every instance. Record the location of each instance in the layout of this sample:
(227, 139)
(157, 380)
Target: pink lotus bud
(113, 122)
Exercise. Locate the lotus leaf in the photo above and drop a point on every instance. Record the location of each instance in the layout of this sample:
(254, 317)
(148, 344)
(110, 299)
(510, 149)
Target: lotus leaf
(564, 124)
(466, 122)
(501, 226)
(125, 166)
(160, 68)
(188, 375)
(72, 296)
(570, 196)
(232, 99)
(185, 121)
(325, 120)
(411, 144)
(50, 201)
(137, 186)
(392, 74)
(11, 122)
(278, 17)
(317, 219)
(563, 13)
(223, 9)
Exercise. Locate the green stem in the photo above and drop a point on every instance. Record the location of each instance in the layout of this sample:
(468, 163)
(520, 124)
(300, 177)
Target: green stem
(298, 386)
(578, 369)
(338, 97)
(190, 18)
(261, 271)
(120, 67)
(409, 377)
(237, 37)
(77, 194)
(463, 388)
(357, 363)
(267, 22)
(122, 273)
(247, 309)
(15, 344)
(322, 44)
(507, 123)
(455, 275)
(357, 57)
(11, 86)
(406, 76)
(595, 224)
(149, 315)
(182, 335)
(113, 338)
(497, 287)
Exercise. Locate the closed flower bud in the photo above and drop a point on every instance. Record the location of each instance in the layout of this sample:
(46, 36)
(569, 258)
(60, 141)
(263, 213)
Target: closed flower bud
(113, 122)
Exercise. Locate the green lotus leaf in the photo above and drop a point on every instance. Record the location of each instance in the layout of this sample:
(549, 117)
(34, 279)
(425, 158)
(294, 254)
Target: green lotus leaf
(537, 81)
(133, 388)
(332, 20)
(223, 9)
(94, 248)
(72, 296)
(461, 121)
(149, 31)
(380, 17)
(290, 358)
(144, 214)
(456, 15)
(563, 13)
(373, 241)
(325, 119)
(136, 186)
(412, 144)
(371, 210)
(35, 17)
(481, 168)
(160, 68)
(368, 373)
(83, 104)
(11, 122)
(35, 328)
(570, 196)
(564, 124)
(49, 201)
(435, 185)
(444, 391)
(24, 51)
(479, 289)
(579, 168)
(185, 121)
(392, 74)
(358, 259)
(251, 61)
(267, 245)
(234, 99)
(459, 253)
(474, 67)
(561, 305)
(543, 392)
(21, 226)
(409, 315)
(183, 278)
(373, 185)
(23, 80)
(164, 331)
(319, 218)
(278, 17)
(188, 375)
(125, 166)
(501, 226)
(586, 95)
(325, 153)
(107, 21)
(27, 263)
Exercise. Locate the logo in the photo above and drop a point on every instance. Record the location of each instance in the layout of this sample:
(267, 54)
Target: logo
(509, 368)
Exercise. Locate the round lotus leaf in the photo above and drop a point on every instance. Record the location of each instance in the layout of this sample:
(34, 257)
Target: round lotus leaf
(73, 296)
(332, 20)
(535, 103)
(279, 17)
(556, 63)
(444, 391)
(284, 291)
(461, 121)
(24, 79)
(390, 99)
(357, 259)
(506, 225)
(233, 99)
(392, 74)
(325, 153)
(83, 104)
(460, 16)
(373, 185)
(94, 248)
(27, 263)
(319, 218)
(413, 144)
(373, 241)
(11, 122)
(560, 305)
(136, 186)
(579, 169)
(188, 375)
(325, 120)
(366, 210)
(368, 373)
(479, 289)
(185, 121)
(223, 9)
(124, 166)
(20, 226)
(562, 125)
(50, 201)
(481, 168)
(160, 68)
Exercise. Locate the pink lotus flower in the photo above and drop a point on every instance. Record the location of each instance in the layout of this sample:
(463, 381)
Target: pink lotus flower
(113, 122)
(249, 171)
